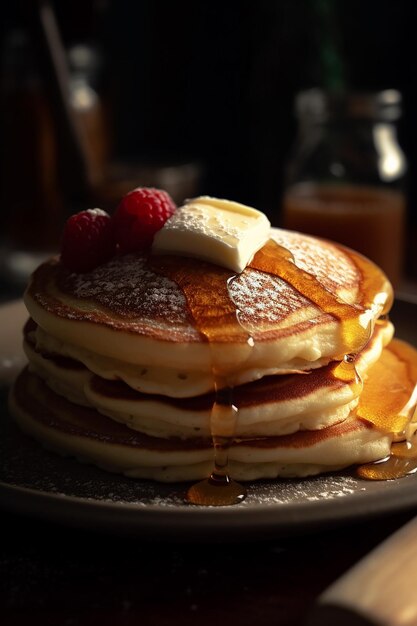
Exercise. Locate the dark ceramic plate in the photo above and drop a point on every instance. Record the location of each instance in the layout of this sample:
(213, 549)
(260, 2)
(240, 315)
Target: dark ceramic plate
(38, 483)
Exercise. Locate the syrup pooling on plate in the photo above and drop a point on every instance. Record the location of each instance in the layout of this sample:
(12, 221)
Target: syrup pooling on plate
(401, 462)
(393, 411)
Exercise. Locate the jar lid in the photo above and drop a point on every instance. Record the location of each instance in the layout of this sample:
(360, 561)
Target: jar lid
(318, 105)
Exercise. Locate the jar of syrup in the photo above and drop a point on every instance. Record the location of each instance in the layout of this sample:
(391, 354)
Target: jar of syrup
(346, 177)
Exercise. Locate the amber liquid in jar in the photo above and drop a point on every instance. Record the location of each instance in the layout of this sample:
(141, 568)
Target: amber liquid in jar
(368, 219)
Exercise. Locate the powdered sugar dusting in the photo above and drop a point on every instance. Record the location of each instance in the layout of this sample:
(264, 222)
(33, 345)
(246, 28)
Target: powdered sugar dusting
(327, 263)
(126, 285)
(263, 298)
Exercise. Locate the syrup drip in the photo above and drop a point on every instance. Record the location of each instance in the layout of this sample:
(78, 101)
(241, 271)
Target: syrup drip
(219, 489)
(346, 371)
(394, 411)
(214, 314)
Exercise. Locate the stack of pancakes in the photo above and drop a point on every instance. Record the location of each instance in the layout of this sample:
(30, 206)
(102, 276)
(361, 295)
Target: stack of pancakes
(123, 374)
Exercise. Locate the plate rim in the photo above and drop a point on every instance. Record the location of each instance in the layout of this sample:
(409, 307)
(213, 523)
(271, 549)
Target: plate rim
(191, 521)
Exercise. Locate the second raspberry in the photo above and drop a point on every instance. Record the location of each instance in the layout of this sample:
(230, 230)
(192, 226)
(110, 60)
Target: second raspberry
(140, 214)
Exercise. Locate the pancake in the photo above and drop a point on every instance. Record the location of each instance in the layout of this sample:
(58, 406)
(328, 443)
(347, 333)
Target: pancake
(128, 312)
(274, 405)
(91, 437)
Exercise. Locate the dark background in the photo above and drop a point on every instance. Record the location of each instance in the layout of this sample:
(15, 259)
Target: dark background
(214, 82)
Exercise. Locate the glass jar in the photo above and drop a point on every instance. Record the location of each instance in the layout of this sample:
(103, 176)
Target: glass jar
(346, 177)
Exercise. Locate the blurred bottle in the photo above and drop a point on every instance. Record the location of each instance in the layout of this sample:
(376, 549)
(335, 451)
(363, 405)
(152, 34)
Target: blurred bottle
(34, 204)
(346, 177)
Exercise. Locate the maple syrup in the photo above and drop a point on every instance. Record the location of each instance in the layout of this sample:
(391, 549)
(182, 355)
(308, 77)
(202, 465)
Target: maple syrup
(392, 411)
(219, 489)
(208, 295)
(346, 371)
(401, 462)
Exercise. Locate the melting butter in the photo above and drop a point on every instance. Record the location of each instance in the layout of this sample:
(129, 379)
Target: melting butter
(218, 231)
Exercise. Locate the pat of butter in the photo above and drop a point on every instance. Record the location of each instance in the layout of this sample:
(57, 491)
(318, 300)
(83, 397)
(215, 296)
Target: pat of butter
(219, 231)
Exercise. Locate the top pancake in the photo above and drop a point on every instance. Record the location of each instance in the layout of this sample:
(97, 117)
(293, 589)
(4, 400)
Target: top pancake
(143, 310)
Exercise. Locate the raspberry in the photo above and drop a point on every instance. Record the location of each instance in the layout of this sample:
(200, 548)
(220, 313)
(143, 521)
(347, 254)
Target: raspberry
(87, 240)
(140, 214)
